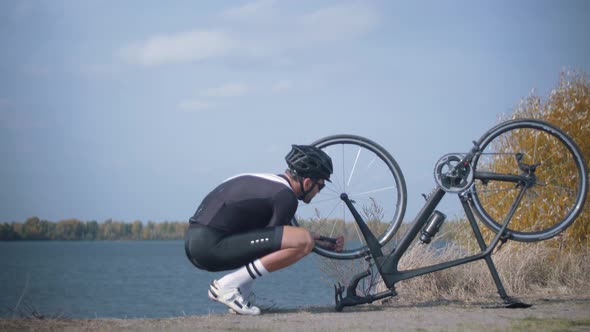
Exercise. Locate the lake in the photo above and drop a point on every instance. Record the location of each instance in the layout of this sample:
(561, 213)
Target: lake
(134, 279)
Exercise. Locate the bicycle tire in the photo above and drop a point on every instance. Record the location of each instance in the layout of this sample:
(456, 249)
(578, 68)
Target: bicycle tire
(555, 195)
(372, 179)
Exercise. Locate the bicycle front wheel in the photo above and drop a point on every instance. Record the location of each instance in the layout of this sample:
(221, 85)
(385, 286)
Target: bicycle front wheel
(372, 179)
(554, 178)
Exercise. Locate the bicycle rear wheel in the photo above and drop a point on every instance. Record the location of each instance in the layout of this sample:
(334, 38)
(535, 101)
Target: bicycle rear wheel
(554, 173)
(372, 179)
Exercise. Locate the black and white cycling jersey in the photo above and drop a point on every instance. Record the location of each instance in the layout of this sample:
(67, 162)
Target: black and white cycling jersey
(246, 202)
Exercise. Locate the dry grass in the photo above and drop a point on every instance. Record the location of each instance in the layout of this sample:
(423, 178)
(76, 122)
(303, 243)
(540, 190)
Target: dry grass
(526, 269)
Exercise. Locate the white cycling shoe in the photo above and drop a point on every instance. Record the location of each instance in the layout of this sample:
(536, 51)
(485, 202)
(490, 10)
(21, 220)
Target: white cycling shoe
(232, 298)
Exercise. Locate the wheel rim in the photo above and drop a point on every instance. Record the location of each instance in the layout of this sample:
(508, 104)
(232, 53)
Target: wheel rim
(369, 176)
(556, 188)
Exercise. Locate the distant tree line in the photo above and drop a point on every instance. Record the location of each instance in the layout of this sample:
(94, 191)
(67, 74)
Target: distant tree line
(73, 229)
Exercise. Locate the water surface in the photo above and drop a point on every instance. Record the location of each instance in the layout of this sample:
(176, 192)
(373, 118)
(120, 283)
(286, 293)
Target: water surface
(133, 279)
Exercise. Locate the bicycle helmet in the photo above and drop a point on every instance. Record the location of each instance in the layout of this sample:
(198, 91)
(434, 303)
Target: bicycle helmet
(309, 161)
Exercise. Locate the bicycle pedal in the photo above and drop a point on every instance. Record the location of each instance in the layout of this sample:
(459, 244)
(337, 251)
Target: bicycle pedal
(339, 289)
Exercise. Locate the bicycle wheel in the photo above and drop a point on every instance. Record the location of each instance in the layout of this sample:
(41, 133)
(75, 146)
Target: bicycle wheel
(372, 179)
(553, 175)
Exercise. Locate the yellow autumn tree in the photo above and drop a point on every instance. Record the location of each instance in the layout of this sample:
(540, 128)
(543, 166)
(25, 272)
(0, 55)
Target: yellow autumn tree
(567, 107)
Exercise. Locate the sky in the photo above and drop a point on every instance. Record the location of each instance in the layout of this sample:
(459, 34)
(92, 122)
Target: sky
(135, 110)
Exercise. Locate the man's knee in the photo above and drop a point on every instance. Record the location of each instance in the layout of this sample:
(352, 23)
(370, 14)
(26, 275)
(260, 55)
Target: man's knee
(295, 237)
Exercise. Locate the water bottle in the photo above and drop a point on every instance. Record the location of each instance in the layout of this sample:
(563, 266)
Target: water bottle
(432, 226)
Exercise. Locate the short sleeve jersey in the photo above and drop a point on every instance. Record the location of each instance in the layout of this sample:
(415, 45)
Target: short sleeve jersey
(246, 202)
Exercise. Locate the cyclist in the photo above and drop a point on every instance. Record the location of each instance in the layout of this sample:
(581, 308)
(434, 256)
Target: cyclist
(244, 224)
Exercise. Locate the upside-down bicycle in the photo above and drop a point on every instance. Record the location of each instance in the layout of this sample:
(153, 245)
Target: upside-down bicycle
(526, 180)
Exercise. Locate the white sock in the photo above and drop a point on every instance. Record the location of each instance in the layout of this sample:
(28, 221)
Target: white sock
(243, 276)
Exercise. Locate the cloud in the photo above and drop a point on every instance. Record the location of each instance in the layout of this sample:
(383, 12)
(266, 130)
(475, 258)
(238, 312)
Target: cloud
(195, 105)
(266, 29)
(257, 30)
(282, 86)
(182, 47)
(98, 70)
(340, 22)
(227, 90)
(257, 10)
(282, 29)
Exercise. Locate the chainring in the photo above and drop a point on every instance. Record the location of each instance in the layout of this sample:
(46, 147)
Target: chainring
(452, 175)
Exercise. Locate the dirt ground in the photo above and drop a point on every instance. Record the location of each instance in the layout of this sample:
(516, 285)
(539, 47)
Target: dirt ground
(563, 314)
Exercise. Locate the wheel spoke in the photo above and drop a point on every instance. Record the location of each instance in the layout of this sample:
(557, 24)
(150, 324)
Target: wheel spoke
(375, 191)
(354, 166)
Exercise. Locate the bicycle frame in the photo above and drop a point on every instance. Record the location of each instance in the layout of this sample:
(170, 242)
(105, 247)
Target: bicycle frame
(388, 265)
